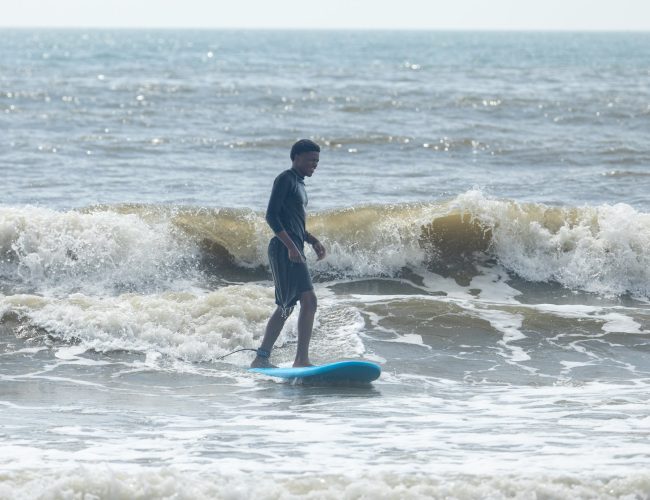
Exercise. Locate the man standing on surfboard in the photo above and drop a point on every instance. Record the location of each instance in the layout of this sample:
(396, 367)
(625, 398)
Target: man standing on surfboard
(286, 215)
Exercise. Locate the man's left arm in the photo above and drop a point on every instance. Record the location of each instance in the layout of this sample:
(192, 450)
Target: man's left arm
(316, 245)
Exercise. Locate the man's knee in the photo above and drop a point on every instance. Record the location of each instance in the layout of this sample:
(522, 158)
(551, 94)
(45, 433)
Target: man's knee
(281, 314)
(308, 301)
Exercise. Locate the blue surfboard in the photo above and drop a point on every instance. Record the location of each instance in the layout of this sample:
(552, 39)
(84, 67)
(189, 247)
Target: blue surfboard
(341, 371)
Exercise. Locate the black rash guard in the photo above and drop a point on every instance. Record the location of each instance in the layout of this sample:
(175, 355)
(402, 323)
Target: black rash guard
(286, 211)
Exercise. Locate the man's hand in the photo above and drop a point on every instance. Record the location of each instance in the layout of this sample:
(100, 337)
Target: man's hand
(292, 249)
(295, 255)
(319, 249)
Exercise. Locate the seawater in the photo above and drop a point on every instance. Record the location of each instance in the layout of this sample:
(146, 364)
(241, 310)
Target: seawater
(484, 201)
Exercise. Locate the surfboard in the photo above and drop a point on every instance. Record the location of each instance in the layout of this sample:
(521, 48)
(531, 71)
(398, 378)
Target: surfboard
(340, 371)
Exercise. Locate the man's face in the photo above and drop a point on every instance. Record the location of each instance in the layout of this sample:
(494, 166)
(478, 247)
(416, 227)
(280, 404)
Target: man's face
(306, 163)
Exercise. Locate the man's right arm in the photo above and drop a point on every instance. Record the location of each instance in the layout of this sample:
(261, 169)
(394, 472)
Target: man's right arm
(278, 195)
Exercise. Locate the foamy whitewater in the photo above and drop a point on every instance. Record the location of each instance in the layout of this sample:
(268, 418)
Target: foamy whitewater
(483, 198)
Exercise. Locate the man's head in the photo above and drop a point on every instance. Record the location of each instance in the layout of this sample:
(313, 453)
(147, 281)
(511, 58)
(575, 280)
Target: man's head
(305, 155)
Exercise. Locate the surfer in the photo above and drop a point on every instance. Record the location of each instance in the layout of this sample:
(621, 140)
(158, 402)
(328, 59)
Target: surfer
(286, 215)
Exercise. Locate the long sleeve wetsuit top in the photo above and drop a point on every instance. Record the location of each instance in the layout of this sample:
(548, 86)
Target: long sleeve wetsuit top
(286, 209)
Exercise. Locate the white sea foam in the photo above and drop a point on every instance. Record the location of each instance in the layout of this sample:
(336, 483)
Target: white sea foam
(613, 318)
(409, 338)
(52, 250)
(600, 249)
(140, 483)
(192, 326)
(510, 326)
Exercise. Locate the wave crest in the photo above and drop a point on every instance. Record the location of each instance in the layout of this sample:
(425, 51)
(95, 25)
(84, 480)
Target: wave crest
(600, 249)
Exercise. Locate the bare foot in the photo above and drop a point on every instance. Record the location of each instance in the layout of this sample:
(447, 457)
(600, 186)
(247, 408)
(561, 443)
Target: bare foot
(260, 362)
(302, 364)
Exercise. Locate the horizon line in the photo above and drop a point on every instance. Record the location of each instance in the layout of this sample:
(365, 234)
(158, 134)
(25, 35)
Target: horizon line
(292, 28)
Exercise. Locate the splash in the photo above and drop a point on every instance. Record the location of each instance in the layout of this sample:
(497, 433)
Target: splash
(190, 326)
(600, 249)
(42, 249)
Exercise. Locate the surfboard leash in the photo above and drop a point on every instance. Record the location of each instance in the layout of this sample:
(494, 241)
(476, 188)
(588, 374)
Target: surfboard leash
(238, 350)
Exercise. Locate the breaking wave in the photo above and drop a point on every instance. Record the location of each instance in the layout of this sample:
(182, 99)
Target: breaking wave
(601, 249)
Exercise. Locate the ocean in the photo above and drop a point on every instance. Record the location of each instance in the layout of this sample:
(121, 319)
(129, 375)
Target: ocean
(484, 201)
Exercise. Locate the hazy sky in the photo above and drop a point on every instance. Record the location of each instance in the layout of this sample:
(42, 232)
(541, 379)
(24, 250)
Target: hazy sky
(397, 14)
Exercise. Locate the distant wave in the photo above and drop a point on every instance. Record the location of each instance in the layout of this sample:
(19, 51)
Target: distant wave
(625, 173)
(603, 249)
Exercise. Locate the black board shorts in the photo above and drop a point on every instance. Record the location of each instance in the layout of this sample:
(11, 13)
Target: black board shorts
(291, 278)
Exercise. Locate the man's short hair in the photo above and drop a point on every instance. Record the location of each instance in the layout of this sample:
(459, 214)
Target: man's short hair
(303, 146)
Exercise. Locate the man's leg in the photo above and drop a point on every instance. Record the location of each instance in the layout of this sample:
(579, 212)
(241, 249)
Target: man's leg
(308, 304)
(273, 329)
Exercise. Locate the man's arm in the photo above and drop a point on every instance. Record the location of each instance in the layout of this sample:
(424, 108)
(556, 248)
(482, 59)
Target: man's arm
(278, 194)
(294, 253)
(316, 245)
